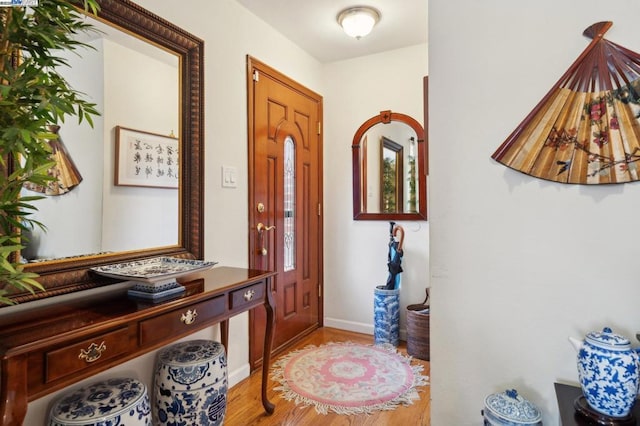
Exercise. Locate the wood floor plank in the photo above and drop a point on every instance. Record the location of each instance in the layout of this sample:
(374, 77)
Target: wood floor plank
(244, 407)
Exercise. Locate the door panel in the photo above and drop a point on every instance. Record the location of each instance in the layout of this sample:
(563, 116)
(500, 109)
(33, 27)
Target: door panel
(285, 164)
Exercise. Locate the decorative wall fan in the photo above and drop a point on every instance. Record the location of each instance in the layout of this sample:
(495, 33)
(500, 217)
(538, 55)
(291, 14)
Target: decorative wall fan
(64, 170)
(586, 130)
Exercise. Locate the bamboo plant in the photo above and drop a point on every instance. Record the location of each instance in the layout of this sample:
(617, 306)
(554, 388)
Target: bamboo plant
(33, 95)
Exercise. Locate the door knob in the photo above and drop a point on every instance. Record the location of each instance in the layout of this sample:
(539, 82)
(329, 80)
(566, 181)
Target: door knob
(262, 227)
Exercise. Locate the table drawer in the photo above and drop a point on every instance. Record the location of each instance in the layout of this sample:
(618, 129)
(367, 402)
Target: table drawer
(73, 358)
(181, 320)
(247, 295)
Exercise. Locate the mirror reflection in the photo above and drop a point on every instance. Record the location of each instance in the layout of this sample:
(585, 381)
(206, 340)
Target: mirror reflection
(391, 183)
(135, 85)
(389, 169)
(388, 151)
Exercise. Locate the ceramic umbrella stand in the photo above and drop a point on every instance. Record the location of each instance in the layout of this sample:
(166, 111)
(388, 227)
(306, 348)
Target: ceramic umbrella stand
(386, 301)
(386, 316)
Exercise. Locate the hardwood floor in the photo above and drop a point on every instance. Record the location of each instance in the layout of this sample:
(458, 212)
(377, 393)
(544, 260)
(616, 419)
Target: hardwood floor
(244, 407)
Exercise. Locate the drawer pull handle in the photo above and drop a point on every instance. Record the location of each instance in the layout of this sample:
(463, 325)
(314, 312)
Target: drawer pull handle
(93, 352)
(189, 317)
(248, 295)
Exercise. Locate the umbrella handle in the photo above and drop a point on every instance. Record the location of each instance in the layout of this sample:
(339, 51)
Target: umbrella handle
(399, 229)
(426, 298)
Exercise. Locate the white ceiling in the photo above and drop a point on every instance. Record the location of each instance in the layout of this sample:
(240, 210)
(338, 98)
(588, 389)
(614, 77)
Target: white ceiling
(312, 25)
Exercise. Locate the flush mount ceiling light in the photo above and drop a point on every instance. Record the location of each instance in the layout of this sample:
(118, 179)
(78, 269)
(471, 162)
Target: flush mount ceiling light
(358, 21)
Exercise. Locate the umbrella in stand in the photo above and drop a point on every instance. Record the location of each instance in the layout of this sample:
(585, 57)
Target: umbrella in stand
(395, 256)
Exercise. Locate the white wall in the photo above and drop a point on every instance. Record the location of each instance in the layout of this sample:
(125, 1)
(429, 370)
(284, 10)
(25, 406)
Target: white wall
(79, 211)
(112, 218)
(355, 252)
(230, 33)
(517, 264)
(150, 102)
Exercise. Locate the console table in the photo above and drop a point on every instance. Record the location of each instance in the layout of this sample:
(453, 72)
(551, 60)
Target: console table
(44, 350)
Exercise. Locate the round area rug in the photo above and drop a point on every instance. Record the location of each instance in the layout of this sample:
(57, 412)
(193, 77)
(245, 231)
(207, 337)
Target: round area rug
(348, 378)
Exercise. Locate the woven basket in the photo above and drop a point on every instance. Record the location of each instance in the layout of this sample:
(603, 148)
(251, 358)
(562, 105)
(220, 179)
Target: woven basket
(418, 330)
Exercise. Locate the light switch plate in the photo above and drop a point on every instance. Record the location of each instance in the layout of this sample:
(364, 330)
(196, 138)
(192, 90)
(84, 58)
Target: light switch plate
(229, 177)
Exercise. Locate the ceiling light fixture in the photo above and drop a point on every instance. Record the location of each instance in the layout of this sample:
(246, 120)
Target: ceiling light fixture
(358, 21)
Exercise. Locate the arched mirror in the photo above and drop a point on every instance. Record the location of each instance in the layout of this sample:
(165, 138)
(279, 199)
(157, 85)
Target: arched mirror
(159, 51)
(389, 169)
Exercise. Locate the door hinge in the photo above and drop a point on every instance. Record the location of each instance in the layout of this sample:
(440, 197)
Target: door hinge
(319, 127)
(319, 209)
(319, 290)
(256, 75)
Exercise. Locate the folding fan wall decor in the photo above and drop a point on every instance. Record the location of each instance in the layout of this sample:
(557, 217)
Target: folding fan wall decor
(64, 171)
(586, 130)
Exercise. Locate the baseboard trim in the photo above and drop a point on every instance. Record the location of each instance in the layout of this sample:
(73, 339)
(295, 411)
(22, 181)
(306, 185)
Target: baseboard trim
(238, 375)
(356, 327)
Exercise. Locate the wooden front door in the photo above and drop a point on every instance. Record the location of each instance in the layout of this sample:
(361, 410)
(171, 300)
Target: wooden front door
(285, 202)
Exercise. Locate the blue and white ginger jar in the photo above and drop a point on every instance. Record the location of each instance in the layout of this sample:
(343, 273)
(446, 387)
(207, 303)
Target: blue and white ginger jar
(608, 372)
(510, 409)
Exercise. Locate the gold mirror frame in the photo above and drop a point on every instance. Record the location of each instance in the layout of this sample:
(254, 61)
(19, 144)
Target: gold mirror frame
(69, 275)
(386, 117)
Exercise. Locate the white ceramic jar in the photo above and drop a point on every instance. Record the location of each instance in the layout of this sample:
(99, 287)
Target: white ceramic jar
(510, 409)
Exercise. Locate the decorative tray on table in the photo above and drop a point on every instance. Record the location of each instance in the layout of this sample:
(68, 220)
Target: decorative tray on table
(155, 279)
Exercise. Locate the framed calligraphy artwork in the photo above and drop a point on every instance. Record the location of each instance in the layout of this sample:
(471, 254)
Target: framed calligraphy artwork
(146, 159)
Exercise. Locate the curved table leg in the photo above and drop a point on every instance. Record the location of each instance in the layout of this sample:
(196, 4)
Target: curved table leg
(269, 407)
(13, 391)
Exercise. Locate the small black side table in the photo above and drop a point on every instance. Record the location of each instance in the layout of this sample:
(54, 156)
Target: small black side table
(566, 395)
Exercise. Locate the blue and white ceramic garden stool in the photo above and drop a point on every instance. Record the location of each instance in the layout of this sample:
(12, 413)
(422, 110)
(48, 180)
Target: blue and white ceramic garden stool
(112, 402)
(190, 384)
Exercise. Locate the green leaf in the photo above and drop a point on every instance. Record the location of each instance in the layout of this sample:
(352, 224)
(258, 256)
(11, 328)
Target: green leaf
(33, 95)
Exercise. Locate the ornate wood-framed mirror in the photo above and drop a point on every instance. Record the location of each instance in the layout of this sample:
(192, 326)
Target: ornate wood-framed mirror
(69, 274)
(382, 192)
